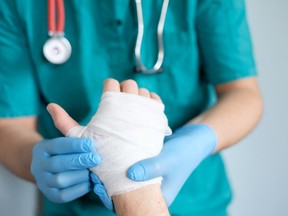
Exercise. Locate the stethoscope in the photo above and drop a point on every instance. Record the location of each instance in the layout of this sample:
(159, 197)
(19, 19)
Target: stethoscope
(57, 48)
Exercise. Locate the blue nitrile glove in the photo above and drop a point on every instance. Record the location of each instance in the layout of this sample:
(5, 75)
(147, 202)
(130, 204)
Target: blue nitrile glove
(60, 167)
(182, 153)
(101, 191)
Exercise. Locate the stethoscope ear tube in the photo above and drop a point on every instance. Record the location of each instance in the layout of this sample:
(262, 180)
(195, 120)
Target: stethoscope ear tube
(52, 27)
(158, 65)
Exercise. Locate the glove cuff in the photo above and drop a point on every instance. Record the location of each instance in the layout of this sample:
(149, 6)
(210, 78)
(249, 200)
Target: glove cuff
(203, 133)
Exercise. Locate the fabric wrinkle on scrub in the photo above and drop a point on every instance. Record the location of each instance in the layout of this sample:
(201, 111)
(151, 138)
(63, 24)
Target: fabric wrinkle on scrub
(127, 128)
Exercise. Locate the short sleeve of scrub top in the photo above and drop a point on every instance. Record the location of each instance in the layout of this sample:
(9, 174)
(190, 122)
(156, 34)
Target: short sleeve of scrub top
(18, 91)
(224, 40)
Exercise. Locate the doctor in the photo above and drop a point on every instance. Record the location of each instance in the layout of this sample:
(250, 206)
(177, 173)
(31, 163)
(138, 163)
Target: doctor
(206, 78)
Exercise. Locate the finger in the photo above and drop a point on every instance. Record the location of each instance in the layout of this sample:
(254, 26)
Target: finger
(103, 195)
(129, 86)
(155, 97)
(111, 85)
(64, 145)
(63, 122)
(144, 92)
(68, 179)
(100, 190)
(64, 163)
(95, 179)
(147, 169)
(68, 194)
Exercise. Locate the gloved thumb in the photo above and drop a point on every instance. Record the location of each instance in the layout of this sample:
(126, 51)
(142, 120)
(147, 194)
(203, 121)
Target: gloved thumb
(63, 122)
(147, 169)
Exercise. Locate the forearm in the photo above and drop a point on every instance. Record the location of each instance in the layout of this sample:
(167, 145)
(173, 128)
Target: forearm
(146, 201)
(16, 146)
(235, 115)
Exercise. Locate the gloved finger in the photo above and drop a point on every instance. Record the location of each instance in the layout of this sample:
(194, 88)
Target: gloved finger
(63, 163)
(147, 169)
(61, 119)
(100, 190)
(67, 179)
(95, 179)
(67, 194)
(65, 145)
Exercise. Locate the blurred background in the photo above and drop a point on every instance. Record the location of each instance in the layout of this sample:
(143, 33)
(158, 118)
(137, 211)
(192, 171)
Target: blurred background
(258, 166)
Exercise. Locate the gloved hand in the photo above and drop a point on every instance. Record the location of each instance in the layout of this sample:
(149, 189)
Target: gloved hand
(60, 167)
(182, 153)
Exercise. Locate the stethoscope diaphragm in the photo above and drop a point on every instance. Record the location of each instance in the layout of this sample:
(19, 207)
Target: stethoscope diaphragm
(57, 49)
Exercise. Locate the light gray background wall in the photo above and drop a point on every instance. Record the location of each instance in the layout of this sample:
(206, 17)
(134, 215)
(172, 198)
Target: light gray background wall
(258, 166)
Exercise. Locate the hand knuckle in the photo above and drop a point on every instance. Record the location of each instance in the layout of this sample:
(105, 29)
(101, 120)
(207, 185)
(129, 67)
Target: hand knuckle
(157, 165)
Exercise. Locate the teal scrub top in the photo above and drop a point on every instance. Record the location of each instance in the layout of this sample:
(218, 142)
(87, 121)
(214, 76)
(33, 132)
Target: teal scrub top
(207, 42)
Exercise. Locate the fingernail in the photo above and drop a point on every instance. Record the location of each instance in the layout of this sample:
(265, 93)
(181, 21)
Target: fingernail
(131, 174)
(99, 190)
(96, 159)
(136, 173)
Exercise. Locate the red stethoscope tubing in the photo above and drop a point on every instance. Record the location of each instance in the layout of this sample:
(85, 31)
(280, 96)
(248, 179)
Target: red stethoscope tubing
(54, 5)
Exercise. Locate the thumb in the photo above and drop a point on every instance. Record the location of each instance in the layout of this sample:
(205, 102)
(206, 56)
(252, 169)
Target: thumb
(147, 169)
(63, 122)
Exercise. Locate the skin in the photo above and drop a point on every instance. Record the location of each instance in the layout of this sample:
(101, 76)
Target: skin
(236, 113)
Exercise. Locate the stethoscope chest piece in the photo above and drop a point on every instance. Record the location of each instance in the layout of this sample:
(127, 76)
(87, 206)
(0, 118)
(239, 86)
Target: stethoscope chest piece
(57, 50)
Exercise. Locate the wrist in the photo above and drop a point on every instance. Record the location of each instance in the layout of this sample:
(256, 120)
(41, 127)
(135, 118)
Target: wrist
(137, 201)
(201, 135)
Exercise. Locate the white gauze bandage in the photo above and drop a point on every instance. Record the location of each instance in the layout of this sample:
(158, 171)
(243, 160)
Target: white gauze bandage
(127, 128)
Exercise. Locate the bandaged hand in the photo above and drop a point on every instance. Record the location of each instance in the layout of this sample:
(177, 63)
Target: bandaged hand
(129, 126)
